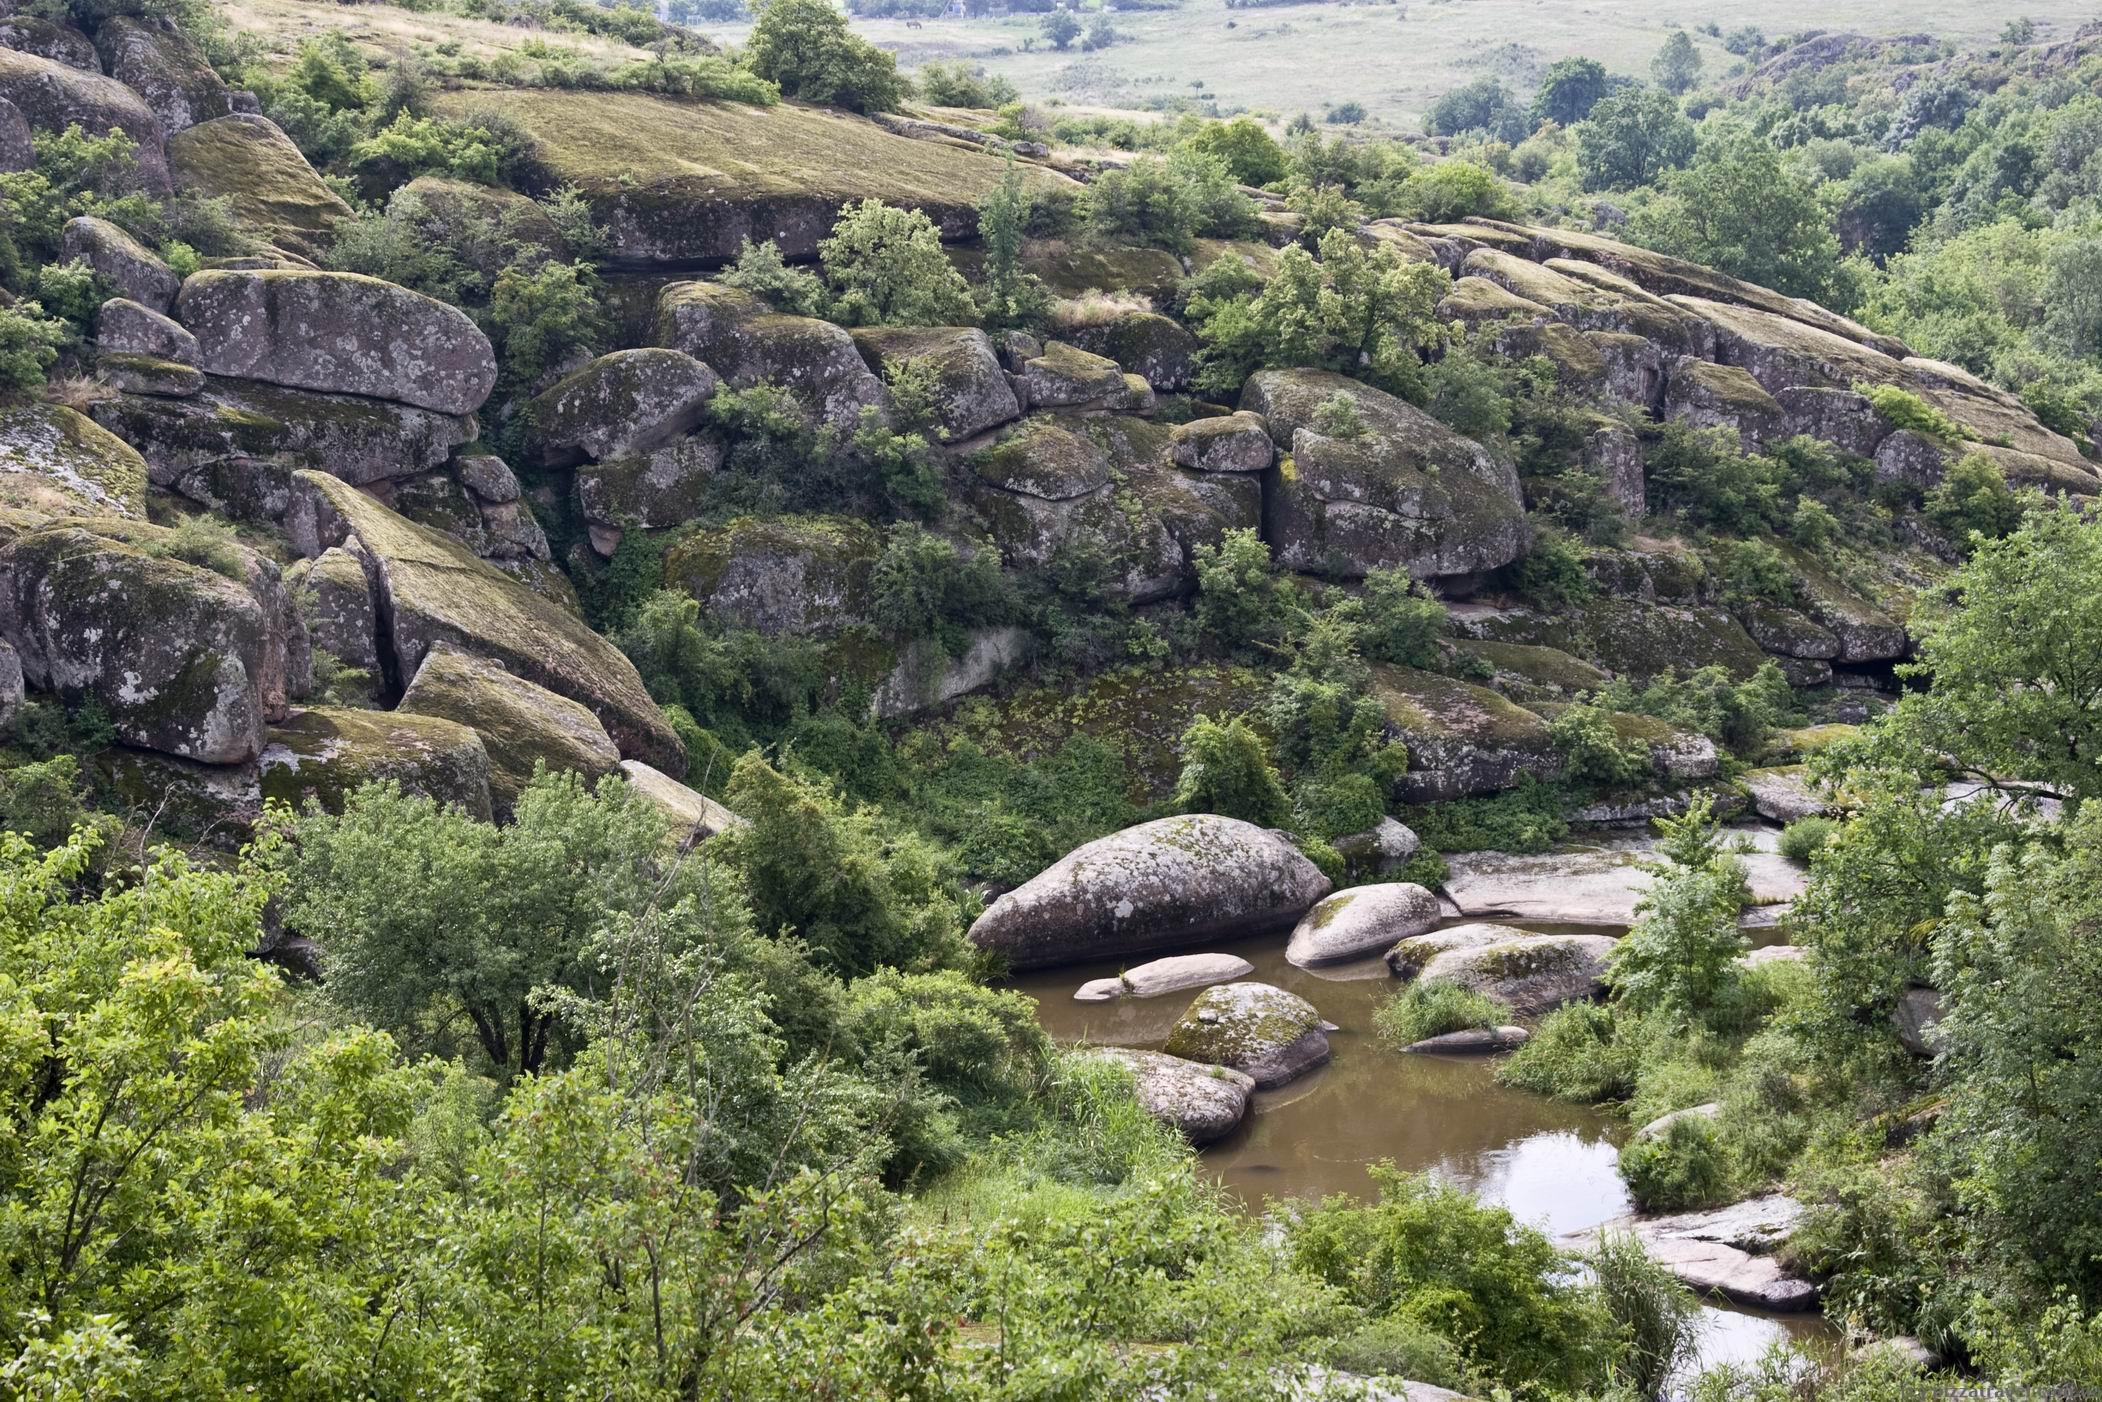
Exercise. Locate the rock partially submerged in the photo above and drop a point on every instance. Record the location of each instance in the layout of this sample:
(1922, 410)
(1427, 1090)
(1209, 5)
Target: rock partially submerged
(1527, 973)
(1173, 974)
(1473, 1041)
(1594, 884)
(1204, 1102)
(1361, 921)
(1724, 1251)
(1271, 1035)
(1173, 882)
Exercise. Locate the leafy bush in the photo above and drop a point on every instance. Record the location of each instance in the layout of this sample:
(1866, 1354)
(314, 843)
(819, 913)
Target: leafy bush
(1681, 1168)
(805, 49)
(1680, 958)
(1226, 769)
(1527, 818)
(961, 85)
(922, 586)
(1974, 500)
(1903, 409)
(543, 318)
(42, 799)
(1658, 1320)
(885, 267)
(1402, 622)
(1249, 152)
(1754, 571)
(1008, 295)
(1447, 191)
(1593, 752)
(1337, 416)
(29, 345)
(1735, 714)
(700, 77)
(1422, 1010)
(1167, 203)
(1241, 601)
(1574, 1054)
(1806, 837)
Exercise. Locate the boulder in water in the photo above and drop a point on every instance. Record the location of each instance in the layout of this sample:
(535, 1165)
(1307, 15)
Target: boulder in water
(1173, 974)
(1361, 921)
(1203, 1102)
(1271, 1035)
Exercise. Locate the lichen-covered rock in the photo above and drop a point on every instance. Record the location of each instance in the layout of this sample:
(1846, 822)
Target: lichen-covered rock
(125, 327)
(57, 463)
(1644, 639)
(1614, 454)
(17, 148)
(1840, 417)
(1527, 973)
(1726, 1251)
(451, 214)
(1406, 492)
(1169, 883)
(183, 659)
(431, 589)
(12, 688)
(1786, 632)
(1915, 1018)
(747, 342)
(783, 576)
(120, 260)
(321, 755)
(1067, 377)
(1174, 974)
(1361, 921)
(1269, 1035)
(1911, 457)
(275, 195)
(213, 804)
(334, 599)
(1384, 847)
(339, 333)
(1462, 739)
(1865, 632)
(1204, 1102)
(158, 62)
(1783, 794)
(143, 374)
(971, 392)
(925, 676)
(692, 816)
(1473, 1041)
(1531, 673)
(522, 725)
(30, 34)
(620, 404)
(1675, 755)
(1046, 457)
(54, 96)
(1707, 395)
(662, 487)
(1236, 442)
(1154, 347)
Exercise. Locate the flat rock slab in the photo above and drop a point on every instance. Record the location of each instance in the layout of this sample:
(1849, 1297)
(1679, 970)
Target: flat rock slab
(1724, 1251)
(1783, 795)
(1360, 922)
(1271, 1035)
(1597, 883)
(1173, 974)
(1202, 1101)
(1473, 1041)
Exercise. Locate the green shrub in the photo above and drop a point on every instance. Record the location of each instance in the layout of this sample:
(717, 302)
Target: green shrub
(1423, 1010)
(1806, 837)
(1337, 416)
(204, 542)
(29, 346)
(1681, 1168)
(805, 49)
(1241, 601)
(42, 799)
(1574, 1054)
(1704, 477)
(1592, 751)
(1226, 769)
(699, 77)
(1447, 191)
(1250, 153)
(1657, 1319)
(1552, 573)
(543, 317)
(1902, 409)
(1396, 1346)
(761, 271)
(1008, 294)
(1402, 622)
(922, 586)
(1973, 499)
(963, 85)
(1735, 714)
(885, 267)
(1167, 203)
(1754, 571)
(1527, 818)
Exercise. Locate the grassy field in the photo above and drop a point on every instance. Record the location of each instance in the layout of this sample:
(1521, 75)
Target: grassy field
(1395, 58)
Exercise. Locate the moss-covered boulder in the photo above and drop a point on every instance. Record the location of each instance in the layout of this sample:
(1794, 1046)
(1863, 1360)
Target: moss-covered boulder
(1591, 303)
(1675, 756)
(1046, 457)
(1784, 793)
(432, 590)
(339, 333)
(971, 392)
(57, 463)
(125, 327)
(620, 404)
(158, 62)
(144, 374)
(321, 755)
(17, 147)
(1203, 1102)
(1644, 639)
(1531, 672)
(12, 688)
(1361, 921)
(120, 260)
(334, 599)
(662, 487)
(1462, 739)
(1865, 632)
(1404, 492)
(215, 805)
(1075, 269)
(33, 34)
(1236, 442)
(1067, 377)
(1270, 1036)
(926, 676)
(54, 96)
(1527, 973)
(691, 816)
(747, 342)
(275, 194)
(1840, 417)
(1147, 344)
(185, 660)
(1786, 632)
(1707, 395)
(1161, 885)
(456, 215)
(783, 576)
(1409, 955)
(501, 531)
(1477, 301)
(522, 725)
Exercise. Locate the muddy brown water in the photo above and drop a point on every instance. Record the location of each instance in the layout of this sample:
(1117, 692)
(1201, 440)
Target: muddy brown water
(1552, 1165)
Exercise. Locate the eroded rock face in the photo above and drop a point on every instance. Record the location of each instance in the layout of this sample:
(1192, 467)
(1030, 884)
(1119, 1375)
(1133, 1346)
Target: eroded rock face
(1236, 442)
(1462, 739)
(1154, 347)
(275, 194)
(11, 688)
(57, 463)
(30, 34)
(1173, 974)
(1473, 1041)
(321, 755)
(1203, 1102)
(521, 724)
(1527, 973)
(780, 575)
(54, 96)
(159, 63)
(334, 598)
(1067, 377)
(1172, 882)
(121, 260)
(1408, 956)
(971, 392)
(926, 677)
(186, 661)
(662, 487)
(1406, 492)
(746, 342)
(1784, 794)
(1271, 1036)
(620, 404)
(17, 150)
(339, 333)
(213, 804)
(1361, 921)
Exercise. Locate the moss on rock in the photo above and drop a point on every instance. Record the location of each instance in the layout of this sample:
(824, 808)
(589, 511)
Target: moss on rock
(321, 755)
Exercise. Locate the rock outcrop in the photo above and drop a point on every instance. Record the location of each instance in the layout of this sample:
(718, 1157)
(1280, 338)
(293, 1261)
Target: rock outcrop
(1161, 885)
(1174, 974)
(522, 725)
(53, 462)
(1264, 1032)
(319, 756)
(275, 195)
(1726, 1251)
(1360, 922)
(1204, 1102)
(780, 575)
(158, 62)
(970, 390)
(1462, 739)
(120, 260)
(621, 404)
(746, 341)
(53, 96)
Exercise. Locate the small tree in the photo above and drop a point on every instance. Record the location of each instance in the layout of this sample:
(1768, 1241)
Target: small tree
(1010, 296)
(805, 48)
(1240, 600)
(1680, 959)
(885, 266)
(1226, 769)
(1631, 138)
(1569, 90)
(1677, 66)
(1061, 28)
(1100, 34)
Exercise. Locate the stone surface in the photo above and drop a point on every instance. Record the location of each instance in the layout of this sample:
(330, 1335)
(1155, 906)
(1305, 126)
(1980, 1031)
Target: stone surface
(1173, 974)
(1272, 1036)
(1783, 794)
(522, 725)
(1462, 739)
(159, 63)
(275, 194)
(1473, 1041)
(12, 690)
(662, 487)
(746, 341)
(1914, 1019)
(1236, 442)
(31, 34)
(53, 96)
(1529, 973)
(1408, 956)
(779, 575)
(1361, 921)
(130, 267)
(1661, 1126)
(618, 405)
(321, 755)
(694, 817)
(926, 677)
(56, 463)
(1383, 848)
(142, 374)
(1067, 377)
(334, 599)
(216, 805)
(1406, 492)
(17, 147)
(1595, 883)
(431, 590)
(339, 333)
(1146, 344)
(1724, 1251)
(1204, 1102)
(971, 392)
(1172, 882)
